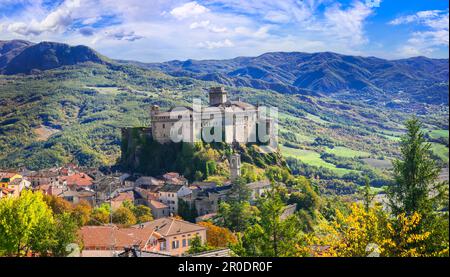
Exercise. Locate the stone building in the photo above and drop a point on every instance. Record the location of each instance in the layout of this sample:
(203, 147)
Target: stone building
(222, 120)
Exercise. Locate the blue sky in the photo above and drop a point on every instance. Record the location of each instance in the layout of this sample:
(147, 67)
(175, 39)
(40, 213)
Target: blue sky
(160, 30)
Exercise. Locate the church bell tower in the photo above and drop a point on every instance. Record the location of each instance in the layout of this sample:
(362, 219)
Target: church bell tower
(235, 166)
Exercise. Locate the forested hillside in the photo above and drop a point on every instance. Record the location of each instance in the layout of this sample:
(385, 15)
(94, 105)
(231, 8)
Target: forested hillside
(74, 112)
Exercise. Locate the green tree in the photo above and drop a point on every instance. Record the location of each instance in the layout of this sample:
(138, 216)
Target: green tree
(415, 175)
(142, 213)
(271, 235)
(28, 225)
(367, 194)
(124, 216)
(306, 199)
(100, 215)
(25, 222)
(197, 246)
(65, 230)
(186, 211)
(236, 213)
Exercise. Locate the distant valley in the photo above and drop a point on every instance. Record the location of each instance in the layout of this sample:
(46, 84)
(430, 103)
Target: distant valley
(341, 116)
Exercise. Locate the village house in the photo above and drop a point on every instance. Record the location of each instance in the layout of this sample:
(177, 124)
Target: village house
(147, 182)
(176, 235)
(169, 194)
(174, 178)
(76, 196)
(43, 177)
(12, 183)
(159, 209)
(78, 180)
(117, 201)
(258, 189)
(206, 198)
(109, 241)
(166, 236)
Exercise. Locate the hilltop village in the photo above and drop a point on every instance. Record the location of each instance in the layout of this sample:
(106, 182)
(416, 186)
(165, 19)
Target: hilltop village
(176, 205)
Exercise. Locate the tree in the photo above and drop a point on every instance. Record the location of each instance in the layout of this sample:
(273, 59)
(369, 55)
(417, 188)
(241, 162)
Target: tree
(271, 235)
(58, 204)
(186, 211)
(123, 216)
(306, 199)
(415, 175)
(368, 195)
(218, 236)
(82, 212)
(25, 222)
(236, 212)
(28, 226)
(142, 213)
(239, 191)
(100, 215)
(362, 233)
(197, 246)
(65, 230)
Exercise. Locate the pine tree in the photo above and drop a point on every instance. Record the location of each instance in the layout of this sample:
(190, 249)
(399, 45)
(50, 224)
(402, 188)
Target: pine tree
(368, 195)
(415, 175)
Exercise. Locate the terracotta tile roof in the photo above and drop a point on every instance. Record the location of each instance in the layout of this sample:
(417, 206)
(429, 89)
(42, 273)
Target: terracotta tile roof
(170, 175)
(169, 226)
(7, 175)
(78, 179)
(6, 190)
(103, 237)
(157, 205)
(124, 196)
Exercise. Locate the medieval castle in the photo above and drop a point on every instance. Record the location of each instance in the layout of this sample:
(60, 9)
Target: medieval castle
(222, 120)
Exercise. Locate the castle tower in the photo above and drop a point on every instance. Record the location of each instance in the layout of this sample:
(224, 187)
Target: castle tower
(235, 166)
(217, 96)
(154, 109)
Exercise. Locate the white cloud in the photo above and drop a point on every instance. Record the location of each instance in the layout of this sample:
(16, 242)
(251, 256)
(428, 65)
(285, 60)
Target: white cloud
(215, 44)
(206, 24)
(187, 10)
(55, 21)
(434, 32)
(348, 24)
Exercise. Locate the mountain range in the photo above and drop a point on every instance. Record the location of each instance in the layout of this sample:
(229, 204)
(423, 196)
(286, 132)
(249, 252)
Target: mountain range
(417, 79)
(423, 79)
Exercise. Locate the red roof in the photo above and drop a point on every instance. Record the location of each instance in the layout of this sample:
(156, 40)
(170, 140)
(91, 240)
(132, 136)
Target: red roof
(124, 196)
(7, 175)
(78, 179)
(104, 237)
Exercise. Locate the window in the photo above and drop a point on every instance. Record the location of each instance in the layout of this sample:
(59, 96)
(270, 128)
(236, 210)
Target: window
(184, 242)
(175, 244)
(162, 245)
